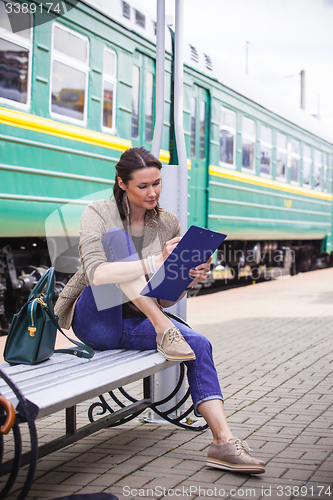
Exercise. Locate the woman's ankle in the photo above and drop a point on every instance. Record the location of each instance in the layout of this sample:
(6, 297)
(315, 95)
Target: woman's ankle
(161, 326)
(222, 439)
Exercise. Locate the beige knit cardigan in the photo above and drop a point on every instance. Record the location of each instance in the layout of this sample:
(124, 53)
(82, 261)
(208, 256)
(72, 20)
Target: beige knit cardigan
(96, 220)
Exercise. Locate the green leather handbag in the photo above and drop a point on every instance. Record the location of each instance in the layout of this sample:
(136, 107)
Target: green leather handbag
(32, 333)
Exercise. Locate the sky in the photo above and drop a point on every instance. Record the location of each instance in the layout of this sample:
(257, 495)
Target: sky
(284, 37)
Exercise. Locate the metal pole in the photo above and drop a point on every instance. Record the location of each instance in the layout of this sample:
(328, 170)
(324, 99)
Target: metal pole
(178, 110)
(174, 198)
(160, 66)
(179, 126)
(303, 89)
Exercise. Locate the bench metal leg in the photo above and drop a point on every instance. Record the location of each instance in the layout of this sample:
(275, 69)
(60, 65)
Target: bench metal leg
(126, 412)
(180, 421)
(71, 420)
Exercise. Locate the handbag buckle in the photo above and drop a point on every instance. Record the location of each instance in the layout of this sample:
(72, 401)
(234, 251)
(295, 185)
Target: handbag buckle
(32, 331)
(41, 301)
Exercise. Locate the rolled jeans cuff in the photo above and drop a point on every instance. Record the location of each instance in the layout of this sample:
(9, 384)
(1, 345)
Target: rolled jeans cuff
(208, 398)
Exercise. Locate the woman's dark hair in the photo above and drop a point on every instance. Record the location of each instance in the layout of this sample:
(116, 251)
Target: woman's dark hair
(131, 160)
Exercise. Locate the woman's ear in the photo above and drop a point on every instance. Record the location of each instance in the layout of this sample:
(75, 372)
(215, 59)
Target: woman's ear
(121, 184)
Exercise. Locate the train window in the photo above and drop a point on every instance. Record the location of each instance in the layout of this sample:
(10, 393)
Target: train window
(15, 59)
(266, 146)
(248, 143)
(202, 130)
(149, 106)
(306, 166)
(227, 136)
(70, 44)
(295, 161)
(193, 119)
(109, 89)
(318, 168)
(69, 74)
(281, 156)
(135, 101)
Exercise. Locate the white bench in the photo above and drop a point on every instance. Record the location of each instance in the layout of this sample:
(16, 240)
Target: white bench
(64, 381)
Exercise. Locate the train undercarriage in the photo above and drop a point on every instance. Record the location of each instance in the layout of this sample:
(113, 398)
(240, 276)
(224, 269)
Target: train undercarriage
(24, 260)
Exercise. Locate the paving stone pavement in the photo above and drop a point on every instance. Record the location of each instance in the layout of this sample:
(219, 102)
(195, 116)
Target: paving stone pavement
(273, 348)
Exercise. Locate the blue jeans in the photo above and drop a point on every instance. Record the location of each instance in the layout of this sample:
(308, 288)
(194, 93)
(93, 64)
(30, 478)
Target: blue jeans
(104, 328)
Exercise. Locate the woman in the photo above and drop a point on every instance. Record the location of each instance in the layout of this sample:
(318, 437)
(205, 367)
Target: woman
(123, 241)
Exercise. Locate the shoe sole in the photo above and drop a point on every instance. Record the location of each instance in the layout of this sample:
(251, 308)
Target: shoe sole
(245, 469)
(169, 357)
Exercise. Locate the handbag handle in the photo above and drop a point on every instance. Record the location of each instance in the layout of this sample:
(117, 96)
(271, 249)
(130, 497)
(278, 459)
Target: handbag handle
(48, 278)
(37, 289)
(49, 292)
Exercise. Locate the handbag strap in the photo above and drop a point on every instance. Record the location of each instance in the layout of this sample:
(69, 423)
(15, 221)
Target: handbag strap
(80, 354)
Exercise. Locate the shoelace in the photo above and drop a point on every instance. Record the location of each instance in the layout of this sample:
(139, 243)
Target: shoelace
(174, 335)
(240, 445)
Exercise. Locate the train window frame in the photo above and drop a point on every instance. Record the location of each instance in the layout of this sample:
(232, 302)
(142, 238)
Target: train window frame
(137, 96)
(149, 91)
(193, 117)
(26, 43)
(284, 151)
(305, 159)
(253, 139)
(233, 131)
(267, 145)
(329, 174)
(325, 173)
(57, 56)
(202, 129)
(295, 156)
(108, 78)
(317, 162)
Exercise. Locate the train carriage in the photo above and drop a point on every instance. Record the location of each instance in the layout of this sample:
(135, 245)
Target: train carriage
(261, 173)
(76, 94)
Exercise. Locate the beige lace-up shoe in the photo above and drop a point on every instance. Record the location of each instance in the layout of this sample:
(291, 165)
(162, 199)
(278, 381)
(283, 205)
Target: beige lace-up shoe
(234, 457)
(172, 344)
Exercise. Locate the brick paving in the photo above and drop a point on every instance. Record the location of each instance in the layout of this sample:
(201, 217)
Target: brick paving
(273, 348)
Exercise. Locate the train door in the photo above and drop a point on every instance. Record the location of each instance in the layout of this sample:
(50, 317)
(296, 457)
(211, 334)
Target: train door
(143, 90)
(198, 174)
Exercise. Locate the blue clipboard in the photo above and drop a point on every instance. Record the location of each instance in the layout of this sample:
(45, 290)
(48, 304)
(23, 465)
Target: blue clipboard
(171, 279)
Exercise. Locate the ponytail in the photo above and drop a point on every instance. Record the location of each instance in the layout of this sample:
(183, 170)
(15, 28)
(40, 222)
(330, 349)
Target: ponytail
(118, 194)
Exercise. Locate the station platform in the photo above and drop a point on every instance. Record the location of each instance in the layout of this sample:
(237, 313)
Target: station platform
(273, 348)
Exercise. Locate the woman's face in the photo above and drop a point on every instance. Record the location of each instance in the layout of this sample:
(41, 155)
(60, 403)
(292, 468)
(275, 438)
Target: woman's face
(143, 190)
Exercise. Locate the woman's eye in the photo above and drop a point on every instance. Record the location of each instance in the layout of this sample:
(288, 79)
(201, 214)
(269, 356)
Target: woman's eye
(157, 183)
(142, 187)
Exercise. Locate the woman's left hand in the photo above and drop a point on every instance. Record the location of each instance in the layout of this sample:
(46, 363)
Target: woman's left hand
(201, 272)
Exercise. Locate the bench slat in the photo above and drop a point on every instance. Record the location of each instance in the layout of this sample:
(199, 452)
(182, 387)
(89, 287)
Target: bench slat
(70, 372)
(65, 381)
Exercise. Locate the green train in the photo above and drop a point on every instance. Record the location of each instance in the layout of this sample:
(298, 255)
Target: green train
(79, 90)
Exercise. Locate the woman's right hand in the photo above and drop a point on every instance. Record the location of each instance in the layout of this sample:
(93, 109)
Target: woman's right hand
(166, 250)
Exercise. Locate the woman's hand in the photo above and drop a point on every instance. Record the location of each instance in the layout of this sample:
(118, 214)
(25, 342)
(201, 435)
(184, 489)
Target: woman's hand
(166, 250)
(201, 272)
